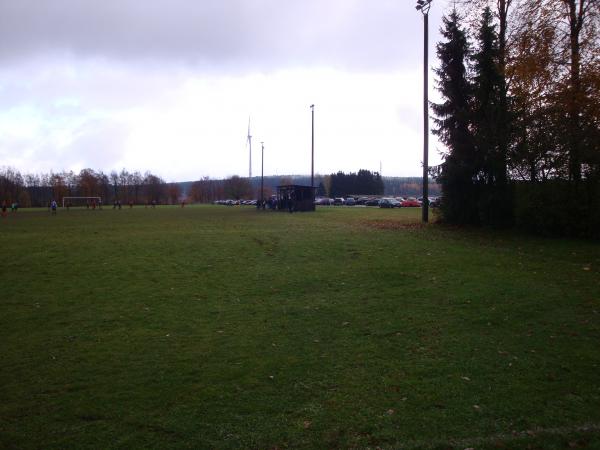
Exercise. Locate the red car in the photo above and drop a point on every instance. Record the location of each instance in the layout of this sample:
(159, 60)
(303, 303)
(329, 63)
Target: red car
(410, 201)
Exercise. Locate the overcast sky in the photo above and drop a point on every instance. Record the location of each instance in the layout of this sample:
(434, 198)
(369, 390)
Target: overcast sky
(169, 85)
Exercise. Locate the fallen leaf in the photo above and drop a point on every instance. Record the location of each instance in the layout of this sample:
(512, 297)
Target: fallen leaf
(307, 424)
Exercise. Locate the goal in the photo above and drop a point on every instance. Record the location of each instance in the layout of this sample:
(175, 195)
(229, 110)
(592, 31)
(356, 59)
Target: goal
(81, 201)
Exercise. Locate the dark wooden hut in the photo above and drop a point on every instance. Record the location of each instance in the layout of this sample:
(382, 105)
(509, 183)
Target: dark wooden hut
(293, 197)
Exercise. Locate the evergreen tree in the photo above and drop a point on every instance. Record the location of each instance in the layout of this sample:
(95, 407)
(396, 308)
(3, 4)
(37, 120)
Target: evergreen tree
(490, 126)
(321, 192)
(453, 123)
(363, 182)
(378, 185)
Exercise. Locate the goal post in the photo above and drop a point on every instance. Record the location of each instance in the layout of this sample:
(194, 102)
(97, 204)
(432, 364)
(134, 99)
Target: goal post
(66, 200)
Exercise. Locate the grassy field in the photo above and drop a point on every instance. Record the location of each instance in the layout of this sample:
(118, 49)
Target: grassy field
(224, 327)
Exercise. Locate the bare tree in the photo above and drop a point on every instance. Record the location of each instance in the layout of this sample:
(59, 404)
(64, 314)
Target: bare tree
(173, 192)
(237, 187)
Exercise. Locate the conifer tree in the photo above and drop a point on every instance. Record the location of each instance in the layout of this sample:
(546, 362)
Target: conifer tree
(458, 177)
(490, 126)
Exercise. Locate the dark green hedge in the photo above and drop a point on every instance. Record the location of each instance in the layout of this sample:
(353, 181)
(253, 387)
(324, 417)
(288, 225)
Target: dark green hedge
(558, 208)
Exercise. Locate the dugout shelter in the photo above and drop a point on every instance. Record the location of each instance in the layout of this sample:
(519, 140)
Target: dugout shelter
(294, 197)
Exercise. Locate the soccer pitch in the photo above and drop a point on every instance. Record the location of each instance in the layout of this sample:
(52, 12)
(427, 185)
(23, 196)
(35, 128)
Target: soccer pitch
(227, 327)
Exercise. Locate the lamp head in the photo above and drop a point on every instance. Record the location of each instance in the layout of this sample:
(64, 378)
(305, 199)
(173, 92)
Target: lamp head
(423, 6)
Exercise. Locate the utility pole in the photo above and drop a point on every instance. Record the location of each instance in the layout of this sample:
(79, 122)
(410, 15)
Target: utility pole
(423, 6)
(312, 160)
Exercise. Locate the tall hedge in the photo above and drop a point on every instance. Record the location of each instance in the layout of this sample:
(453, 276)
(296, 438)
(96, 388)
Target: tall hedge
(558, 208)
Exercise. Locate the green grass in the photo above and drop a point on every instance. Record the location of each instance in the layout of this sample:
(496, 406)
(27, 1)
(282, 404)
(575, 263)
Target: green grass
(224, 327)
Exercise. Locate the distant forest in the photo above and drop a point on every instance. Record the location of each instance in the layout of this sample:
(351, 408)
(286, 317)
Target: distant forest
(208, 189)
(393, 186)
(40, 189)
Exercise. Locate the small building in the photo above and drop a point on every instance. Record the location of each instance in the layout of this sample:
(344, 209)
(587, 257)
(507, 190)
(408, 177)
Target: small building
(293, 197)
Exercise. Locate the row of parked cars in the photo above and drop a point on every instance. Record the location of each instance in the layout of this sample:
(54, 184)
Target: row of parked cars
(235, 202)
(382, 202)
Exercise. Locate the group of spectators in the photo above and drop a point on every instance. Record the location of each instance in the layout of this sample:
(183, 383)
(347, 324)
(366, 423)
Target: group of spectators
(286, 202)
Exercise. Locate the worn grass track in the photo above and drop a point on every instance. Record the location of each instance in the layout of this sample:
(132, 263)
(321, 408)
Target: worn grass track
(217, 327)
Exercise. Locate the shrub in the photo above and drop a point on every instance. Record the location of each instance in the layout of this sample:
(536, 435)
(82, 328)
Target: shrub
(559, 208)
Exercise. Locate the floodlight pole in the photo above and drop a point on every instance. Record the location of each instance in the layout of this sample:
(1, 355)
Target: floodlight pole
(262, 174)
(312, 159)
(423, 6)
(250, 151)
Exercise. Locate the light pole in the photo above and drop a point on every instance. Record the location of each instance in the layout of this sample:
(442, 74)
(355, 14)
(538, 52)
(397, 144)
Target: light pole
(250, 148)
(262, 174)
(423, 6)
(312, 147)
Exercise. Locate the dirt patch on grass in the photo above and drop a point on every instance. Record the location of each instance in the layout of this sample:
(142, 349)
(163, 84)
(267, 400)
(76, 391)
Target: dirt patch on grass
(393, 225)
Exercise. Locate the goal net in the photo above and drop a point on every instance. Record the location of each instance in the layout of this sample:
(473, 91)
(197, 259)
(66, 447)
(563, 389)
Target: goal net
(88, 202)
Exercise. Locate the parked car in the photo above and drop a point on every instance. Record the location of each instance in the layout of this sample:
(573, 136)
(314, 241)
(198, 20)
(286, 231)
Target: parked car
(338, 201)
(411, 202)
(323, 201)
(350, 201)
(361, 200)
(372, 202)
(389, 202)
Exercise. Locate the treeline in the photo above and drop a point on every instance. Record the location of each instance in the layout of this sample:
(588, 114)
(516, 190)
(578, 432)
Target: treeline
(520, 115)
(208, 190)
(408, 187)
(40, 190)
(363, 182)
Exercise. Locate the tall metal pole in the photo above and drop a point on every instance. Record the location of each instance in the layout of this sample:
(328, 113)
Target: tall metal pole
(423, 6)
(312, 160)
(262, 174)
(249, 145)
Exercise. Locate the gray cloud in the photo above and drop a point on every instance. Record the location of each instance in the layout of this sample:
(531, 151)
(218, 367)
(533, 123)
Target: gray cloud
(112, 83)
(236, 34)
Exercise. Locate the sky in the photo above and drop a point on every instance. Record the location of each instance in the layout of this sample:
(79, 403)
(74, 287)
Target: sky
(170, 86)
